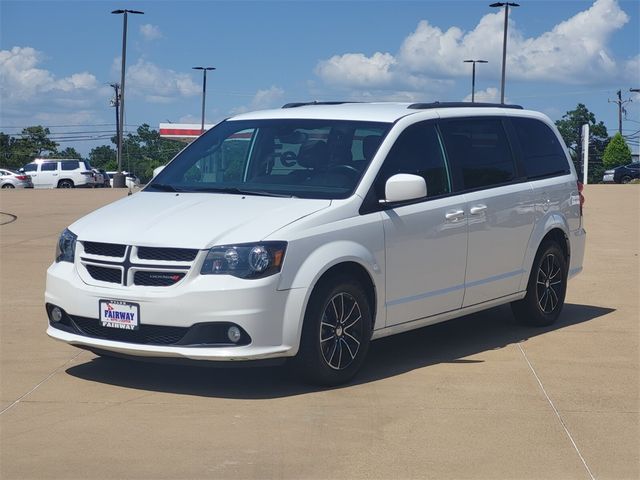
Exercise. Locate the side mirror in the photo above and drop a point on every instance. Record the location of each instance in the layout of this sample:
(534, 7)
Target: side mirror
(403, 187)
(21, 170)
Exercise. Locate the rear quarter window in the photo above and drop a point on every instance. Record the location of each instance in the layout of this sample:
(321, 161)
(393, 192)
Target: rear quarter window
(70, 165)
(542, 153)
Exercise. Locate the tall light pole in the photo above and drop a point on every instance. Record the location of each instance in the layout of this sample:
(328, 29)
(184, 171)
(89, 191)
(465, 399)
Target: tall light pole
(473, 77)
(118, 178)
(204, 91)
(504, 40)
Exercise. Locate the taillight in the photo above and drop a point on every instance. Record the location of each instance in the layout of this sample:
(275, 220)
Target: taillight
(580, 188)
(22, 177)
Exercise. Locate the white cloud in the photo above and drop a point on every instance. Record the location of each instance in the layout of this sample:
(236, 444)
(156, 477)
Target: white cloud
(150, 32)
(632, 69)
(263, 99)
(491, 95)
(22, 80)
(159, 85)
(574, 51)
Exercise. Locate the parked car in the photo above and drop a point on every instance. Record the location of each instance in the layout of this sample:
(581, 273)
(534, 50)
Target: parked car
(622, 174)
(304, 233)
(106, 181)
(131, 181)
(11, 179)
(98, 178)
(59, 173)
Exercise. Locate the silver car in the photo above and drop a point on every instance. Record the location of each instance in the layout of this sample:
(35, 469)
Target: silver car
(11, 179)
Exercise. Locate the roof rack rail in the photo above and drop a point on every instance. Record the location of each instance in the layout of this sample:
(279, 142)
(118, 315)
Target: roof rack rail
(426, 106)
(315, 102)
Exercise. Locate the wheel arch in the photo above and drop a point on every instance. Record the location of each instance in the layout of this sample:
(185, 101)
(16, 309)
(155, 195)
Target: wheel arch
(556, 228)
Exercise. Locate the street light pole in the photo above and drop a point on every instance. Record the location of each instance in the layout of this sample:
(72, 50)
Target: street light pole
(118, 178)
(504, 40)
(204, 91)
(473, 77)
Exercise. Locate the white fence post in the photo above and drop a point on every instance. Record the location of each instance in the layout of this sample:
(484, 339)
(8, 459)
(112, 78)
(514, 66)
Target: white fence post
(585, 153)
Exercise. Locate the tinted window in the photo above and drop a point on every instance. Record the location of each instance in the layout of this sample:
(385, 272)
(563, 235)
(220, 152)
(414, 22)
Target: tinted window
(69, 165)
(31, 167)
(417, 151)
(479, 150)
(542, 153)
(49, 167)
(293, 157)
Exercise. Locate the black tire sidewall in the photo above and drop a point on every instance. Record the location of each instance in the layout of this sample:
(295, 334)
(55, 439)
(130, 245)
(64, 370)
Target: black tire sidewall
(531, 312)
(310, 362)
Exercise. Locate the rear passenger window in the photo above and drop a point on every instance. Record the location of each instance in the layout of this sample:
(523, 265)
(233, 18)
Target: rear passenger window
(479, 151)
(417, 151)
(542, 152)
(49, 167)
(70, 165)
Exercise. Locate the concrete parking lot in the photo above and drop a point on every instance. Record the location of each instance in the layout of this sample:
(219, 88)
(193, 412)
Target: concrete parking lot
(478, 397)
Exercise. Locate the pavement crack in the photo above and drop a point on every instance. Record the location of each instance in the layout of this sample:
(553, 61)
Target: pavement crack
(18, 400)
(555, 410)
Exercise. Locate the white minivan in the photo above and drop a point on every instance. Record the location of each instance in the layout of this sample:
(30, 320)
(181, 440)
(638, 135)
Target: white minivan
(59, 173)
(305, 232)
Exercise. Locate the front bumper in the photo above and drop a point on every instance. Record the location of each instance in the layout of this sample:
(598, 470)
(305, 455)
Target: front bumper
(271, 317)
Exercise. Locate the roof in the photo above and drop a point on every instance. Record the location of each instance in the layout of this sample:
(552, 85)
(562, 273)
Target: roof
(375, 111)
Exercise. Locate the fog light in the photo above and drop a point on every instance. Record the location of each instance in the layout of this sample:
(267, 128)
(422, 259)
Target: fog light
(56, 314)
(234, 334)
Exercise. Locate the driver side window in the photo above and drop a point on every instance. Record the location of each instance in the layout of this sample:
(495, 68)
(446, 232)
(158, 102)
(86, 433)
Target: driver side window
(417, 151)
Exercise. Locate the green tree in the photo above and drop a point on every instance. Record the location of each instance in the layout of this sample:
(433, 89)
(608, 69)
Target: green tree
(570, 127)
(33, 142)
(68, 152)
(617, 152)
(103, 157)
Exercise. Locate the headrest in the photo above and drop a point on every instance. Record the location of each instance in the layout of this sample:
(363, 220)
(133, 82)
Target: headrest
(313, 154)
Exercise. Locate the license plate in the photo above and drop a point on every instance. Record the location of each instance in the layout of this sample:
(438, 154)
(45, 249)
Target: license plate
(118, 314)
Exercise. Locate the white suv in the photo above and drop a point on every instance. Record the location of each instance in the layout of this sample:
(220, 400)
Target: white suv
(308, 231)
(59, 173)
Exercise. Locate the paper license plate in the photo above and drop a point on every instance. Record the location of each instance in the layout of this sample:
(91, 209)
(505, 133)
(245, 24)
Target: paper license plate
(118, 314)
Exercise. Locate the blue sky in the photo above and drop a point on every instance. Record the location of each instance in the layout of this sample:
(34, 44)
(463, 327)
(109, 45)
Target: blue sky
(58, 57)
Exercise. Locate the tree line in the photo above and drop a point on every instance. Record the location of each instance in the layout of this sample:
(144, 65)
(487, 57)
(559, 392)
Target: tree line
(145, 150)
(141, 151)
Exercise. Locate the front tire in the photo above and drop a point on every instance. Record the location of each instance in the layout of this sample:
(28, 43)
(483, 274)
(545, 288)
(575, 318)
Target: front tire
(336, 333)
(546, 288)
(625, 179)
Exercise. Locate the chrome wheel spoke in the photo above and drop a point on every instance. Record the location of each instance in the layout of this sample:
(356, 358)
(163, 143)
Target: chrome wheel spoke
(346, 344)
(340, 331)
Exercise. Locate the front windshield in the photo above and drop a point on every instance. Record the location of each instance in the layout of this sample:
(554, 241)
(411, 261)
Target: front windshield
(293, 158)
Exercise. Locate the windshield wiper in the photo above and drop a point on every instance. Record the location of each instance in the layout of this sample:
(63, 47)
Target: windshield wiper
(164, 187)
(239, 191)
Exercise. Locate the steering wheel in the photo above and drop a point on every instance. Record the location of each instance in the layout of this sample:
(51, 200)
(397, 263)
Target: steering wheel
(288, 159)
(345, 169)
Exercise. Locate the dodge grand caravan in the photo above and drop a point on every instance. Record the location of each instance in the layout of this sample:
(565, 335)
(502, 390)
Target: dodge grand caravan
(309, 231)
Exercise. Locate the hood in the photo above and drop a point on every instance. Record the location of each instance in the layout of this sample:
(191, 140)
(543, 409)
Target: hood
(192, 220)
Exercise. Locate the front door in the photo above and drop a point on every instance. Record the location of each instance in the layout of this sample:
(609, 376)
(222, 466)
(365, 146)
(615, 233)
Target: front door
(426, 241)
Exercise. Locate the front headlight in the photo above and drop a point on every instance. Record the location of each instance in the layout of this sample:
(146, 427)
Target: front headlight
(66, 247)
(249, 260)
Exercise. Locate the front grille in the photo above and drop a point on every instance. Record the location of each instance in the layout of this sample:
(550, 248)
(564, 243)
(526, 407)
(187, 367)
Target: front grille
(157, 279)
(104, 249)
(105, 274)
(146, 334)
(167, 254)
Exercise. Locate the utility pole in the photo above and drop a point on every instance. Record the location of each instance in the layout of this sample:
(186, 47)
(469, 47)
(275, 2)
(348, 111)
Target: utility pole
(506, 6)
(116, 103)
(473, 77)
(621, 103)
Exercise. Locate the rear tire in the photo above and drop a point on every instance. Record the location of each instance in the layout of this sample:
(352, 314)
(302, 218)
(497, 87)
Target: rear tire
(336, 333)
(546, 288)
(65, 184)
(8, 185)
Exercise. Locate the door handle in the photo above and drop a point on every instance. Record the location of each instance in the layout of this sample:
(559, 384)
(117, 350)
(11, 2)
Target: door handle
(454, 215)
(477, 209)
